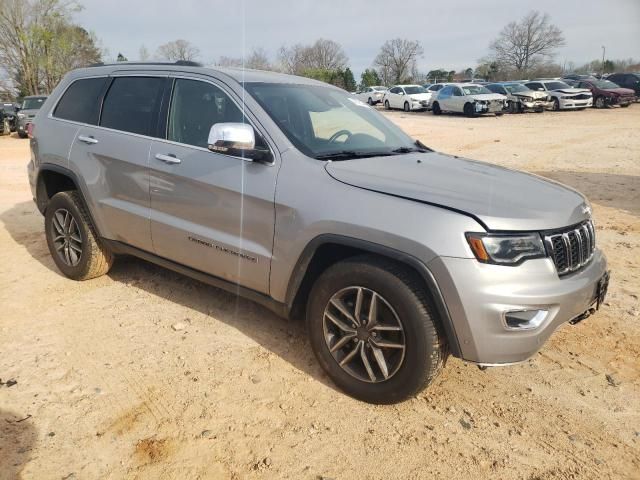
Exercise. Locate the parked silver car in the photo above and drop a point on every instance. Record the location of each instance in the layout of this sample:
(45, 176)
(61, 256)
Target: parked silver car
(296, 195)
(522, 99)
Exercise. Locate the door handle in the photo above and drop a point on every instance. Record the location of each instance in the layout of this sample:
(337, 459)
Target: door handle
(87, 140)
(171, 158)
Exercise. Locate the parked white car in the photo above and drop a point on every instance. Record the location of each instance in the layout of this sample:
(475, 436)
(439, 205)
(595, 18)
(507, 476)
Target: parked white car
(406, 97)
(468, 98)
(433, 90)
(371, 95)
(563, 96)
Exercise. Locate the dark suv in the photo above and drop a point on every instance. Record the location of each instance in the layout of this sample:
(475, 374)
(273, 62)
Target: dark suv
(627, 80)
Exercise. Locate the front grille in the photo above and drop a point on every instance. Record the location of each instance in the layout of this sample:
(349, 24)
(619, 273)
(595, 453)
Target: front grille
(573, 248)
(582, 96)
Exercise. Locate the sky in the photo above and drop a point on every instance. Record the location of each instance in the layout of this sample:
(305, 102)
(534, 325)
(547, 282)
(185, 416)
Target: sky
(454, 33)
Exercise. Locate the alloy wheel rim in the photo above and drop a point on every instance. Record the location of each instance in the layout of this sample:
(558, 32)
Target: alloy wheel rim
(67, 239)
(364, 334)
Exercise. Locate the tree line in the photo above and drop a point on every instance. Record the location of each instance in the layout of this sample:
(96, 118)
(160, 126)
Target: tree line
(39, 43)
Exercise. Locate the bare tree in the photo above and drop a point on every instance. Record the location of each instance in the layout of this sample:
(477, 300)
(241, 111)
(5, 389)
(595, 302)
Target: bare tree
(178, 50)
(528, 43)
(39, 43)
(321, 55)
(397, 60)
(258, 60)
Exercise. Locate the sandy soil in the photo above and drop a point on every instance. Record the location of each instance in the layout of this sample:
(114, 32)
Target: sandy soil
(106, 388)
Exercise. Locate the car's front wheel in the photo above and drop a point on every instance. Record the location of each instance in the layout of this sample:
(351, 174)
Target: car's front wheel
(370, 101)
(386, 105)
(600, 103)
(73, 243)
(407, 108)
(435, 108)
(556, 105)
(373, 330)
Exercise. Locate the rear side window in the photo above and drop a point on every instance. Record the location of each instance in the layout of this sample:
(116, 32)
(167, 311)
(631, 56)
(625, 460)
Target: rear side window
(81, 101)
(132, 104)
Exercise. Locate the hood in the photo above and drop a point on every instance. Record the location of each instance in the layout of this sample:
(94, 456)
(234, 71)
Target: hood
(623, 92)
(572, 90)
(488, 96)
(531, 93)
(497, 197)
(420, 96)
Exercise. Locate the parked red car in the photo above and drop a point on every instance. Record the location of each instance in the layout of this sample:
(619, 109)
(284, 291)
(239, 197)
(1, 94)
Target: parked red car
(606, 93)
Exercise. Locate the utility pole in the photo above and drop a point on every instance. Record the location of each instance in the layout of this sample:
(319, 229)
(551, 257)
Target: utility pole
(603, 60)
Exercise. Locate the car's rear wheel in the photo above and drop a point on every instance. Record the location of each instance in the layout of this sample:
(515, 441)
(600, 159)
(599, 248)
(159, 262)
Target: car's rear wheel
(373, 330)
(386, 105)
(22, 134)
(73, 243)
(6, 127)
(435, 108)
(600, 103)
(407, 108)
(624, 105)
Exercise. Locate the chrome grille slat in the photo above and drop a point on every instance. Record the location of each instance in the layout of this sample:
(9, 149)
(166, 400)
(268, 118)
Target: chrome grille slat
(573, 248)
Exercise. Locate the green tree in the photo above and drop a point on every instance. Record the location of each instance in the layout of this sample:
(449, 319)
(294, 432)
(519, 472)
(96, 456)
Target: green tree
(369, 78)
(468, 73)
(349, 80)
(122, 58)
(438, 75)
(334, 77)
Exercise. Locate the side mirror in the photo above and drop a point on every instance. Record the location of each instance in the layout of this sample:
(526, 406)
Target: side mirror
(238, 140)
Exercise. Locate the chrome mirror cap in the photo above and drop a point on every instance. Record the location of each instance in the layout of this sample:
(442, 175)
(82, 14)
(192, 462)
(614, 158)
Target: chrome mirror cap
(231, 138)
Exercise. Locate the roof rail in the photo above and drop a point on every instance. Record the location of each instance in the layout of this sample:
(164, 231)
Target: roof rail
(182, 63)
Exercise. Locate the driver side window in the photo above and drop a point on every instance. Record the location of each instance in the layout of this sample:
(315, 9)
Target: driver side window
(195, 107)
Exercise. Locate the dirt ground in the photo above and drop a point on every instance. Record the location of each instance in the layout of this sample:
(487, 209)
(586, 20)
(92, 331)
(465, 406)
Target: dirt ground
(107, 388)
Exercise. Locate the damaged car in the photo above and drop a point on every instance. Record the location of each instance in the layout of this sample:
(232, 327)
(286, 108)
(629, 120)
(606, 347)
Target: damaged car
(470, 99)
(564, 97)
(521, 99)
(607, 94)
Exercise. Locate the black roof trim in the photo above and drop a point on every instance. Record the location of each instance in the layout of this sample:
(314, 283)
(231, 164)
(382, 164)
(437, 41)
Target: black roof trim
(183, 63)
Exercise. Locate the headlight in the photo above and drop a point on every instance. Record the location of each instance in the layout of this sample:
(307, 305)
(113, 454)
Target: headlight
(21, 115)
(506, 249)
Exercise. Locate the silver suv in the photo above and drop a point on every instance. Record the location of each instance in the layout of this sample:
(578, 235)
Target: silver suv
(306, 200)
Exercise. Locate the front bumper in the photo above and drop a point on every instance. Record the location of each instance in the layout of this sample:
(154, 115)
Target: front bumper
(536, 105)
(478, 296)
(570, 103)
(490, 107)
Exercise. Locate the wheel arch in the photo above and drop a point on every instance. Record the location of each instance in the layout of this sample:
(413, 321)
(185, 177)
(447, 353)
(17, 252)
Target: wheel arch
(52, 179)
(328, 249)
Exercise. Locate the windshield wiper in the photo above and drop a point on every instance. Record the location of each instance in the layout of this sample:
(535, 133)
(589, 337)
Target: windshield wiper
(347, 154)
(419, 147)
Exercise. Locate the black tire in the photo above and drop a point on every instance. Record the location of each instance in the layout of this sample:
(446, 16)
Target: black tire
(6, 127)
(94, 258)
(600, 103)
(556, 105)
(386, 105)
(468, 110)
(435, 108)
(426, 350)
(499, 114)
(407, 108)
(624, 105)
(370, 101)
(22, 134)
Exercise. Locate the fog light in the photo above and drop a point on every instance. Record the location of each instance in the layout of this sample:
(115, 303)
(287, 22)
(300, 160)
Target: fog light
(524, 319)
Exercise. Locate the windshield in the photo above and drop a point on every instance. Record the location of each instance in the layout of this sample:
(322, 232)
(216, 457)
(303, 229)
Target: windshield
(605, 84)
(322, 121)
(33, 103)
(515, 88)
(414, 89)
(379, 89)
(556, 85)
(475, 90)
